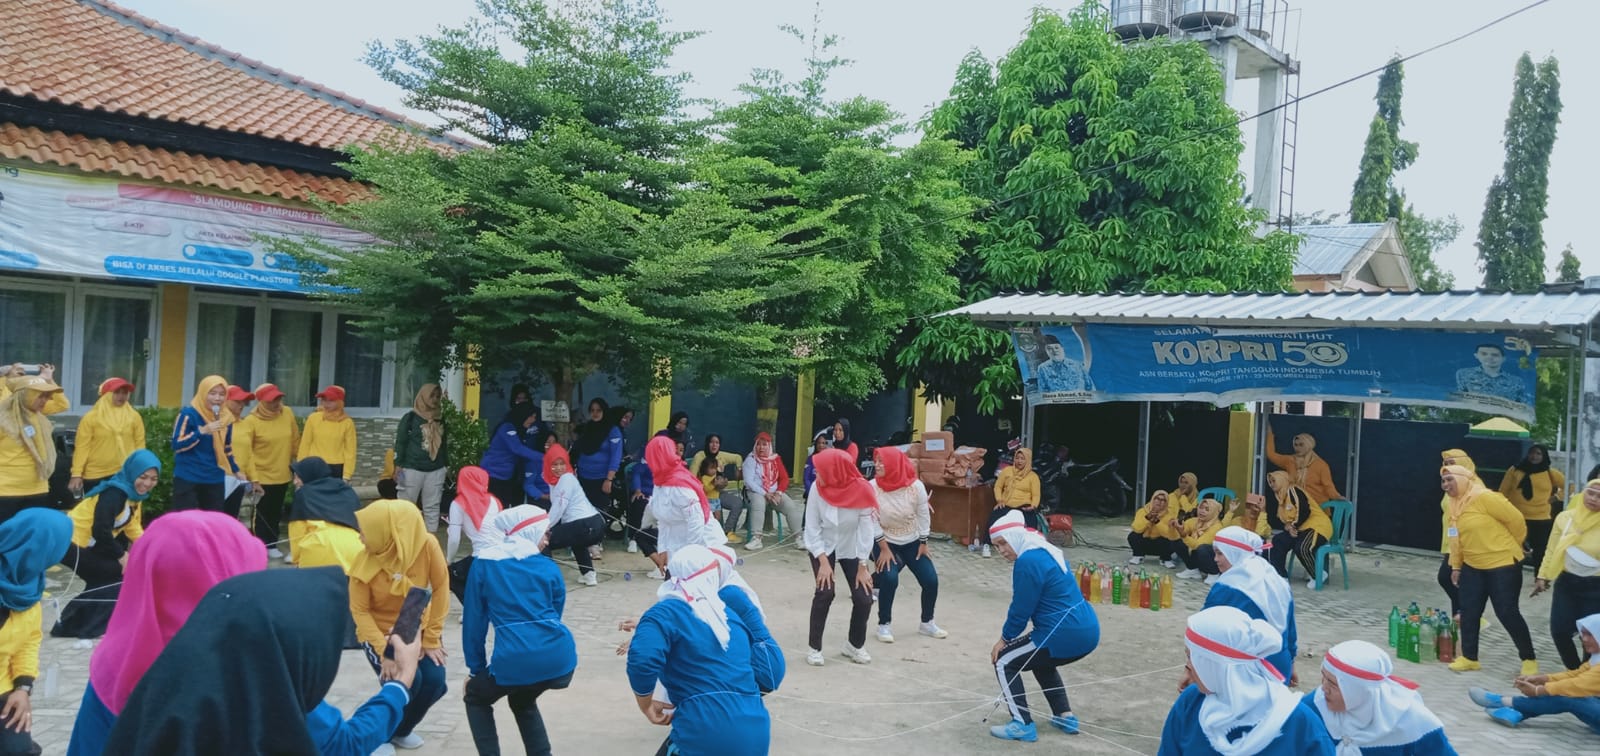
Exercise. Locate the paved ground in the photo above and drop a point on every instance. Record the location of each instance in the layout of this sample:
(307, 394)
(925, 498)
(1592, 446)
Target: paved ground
(937, 696)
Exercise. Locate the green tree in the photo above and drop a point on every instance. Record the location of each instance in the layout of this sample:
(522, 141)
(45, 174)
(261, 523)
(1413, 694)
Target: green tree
(1107, 168)
(1511, 234)
(1423, 237)
(1571, 270)
(1369, 203)
(585, 235)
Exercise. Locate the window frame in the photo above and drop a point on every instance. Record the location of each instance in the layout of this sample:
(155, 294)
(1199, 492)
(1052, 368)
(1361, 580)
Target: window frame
(74, 294)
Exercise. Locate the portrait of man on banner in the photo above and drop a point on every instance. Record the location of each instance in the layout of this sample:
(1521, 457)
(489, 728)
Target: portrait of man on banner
(1490, 376)
(1055, 361)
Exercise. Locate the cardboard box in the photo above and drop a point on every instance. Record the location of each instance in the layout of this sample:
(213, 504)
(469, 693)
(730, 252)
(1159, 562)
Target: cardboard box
(933, 479)
(938, 444)
(930, 466)
(914, 451)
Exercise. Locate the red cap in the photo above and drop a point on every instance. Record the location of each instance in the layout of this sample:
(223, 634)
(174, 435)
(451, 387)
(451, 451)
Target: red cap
(267, 392)
(237, 394)
(333, 393)
(114, 384)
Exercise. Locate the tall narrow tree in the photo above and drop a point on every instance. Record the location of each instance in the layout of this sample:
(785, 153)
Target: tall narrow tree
(1511, 234)
(1570, 270)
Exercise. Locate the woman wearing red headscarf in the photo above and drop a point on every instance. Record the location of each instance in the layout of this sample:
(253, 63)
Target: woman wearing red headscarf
(574, 522)
(679, 504)
(473, 504)
(841, 525)
(905, 518)
(766, 483)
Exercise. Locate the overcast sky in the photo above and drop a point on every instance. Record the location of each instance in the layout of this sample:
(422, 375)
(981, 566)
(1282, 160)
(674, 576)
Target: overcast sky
(906, 52)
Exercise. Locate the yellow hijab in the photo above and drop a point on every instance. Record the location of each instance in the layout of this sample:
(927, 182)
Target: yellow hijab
(118, 419)
(1458, 503)
(1303, 462)
(1459, 457)
(395, 537)
(31, 429)
(219, 439)
(1188, 484)
(337, 413)
(1285, 499)
(426, 406)
(1581, 520)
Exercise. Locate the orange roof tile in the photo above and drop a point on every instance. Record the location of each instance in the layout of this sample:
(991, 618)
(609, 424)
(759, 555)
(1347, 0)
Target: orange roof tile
(156, 164)
(98, 56)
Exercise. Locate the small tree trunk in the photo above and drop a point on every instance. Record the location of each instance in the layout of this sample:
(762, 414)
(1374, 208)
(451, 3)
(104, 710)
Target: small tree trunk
(767, 408)
(565, 384)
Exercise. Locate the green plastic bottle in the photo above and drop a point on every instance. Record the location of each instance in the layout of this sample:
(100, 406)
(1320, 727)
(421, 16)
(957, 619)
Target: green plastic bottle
(1394, 627)
(1116, 586)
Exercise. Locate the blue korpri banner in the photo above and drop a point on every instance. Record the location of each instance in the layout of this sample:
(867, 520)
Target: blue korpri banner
(1488, 372)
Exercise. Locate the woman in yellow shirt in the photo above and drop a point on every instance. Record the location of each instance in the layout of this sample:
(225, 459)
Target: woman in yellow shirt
(1186, 496)
(27, 451)
(323, 530)
(1015, 488)
(401, 554)
(29, 543)
(1486, 535)
(1572, 565)
(1308, 470)
(264, 444)
(1251, 514)
(1304, 527)
(105, 526)
(330, 434)
(1155, 532)
(14, 375)
(1198, 534)
(1534, 488)
(1451, 457)
(107, 434)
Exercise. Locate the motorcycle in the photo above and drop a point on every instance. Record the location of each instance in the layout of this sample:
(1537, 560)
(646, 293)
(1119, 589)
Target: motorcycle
(1096, 488)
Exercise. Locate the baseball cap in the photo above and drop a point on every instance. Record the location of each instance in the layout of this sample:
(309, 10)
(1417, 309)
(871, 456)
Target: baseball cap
(238, 394)
(334, 393)
(114, 384)
(267, 392)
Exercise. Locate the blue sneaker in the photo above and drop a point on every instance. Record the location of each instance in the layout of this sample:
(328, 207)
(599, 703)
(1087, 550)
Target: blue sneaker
(1067, 723)
(1015, 730)
(1507, 716)
(1485, 698)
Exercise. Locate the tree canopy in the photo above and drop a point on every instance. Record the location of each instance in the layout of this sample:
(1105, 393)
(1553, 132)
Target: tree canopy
(1511, 234)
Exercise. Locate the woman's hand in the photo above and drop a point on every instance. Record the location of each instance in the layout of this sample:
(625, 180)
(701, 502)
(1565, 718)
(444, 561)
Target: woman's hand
(1540, 585)
(1529, 688)
(922, 550)
(885, 558)
(606, 486)
(403, 667)
(18, 712)
(994, 653)
(824, 576)
(627, 625)
(622, 648)
(1185, 681)
(660, 559)
(1455, 577)
(75, 485)
(864, 578)
(437, 655)
(657, 712)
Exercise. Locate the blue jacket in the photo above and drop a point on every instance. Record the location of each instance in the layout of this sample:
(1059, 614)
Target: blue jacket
(505, 448)
(718, 705)
(371, 726)
(1063, 623)
(195, 458)
(766, 656)
(523, 599)
(1283, 661)
(640, 479)
(1302, 735)
(598, 465)
(533, 477)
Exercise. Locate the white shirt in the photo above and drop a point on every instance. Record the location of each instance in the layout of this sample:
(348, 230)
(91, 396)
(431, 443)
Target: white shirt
(680, 521)
(568, 503)
(460, 522)
(904, 515)
(845, 533)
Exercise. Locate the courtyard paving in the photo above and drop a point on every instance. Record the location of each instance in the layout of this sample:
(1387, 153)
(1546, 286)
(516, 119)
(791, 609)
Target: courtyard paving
(921, 695)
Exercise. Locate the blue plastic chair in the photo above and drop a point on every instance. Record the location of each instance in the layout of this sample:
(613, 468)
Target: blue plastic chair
(1222, 495)
(1341, 512)
(749, 522)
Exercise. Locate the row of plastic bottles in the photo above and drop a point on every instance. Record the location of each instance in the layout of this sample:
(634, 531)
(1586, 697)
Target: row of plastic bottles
(1416, 634)
(1105, 584)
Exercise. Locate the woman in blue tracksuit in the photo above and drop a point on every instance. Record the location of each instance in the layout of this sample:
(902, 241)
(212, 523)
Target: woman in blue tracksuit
(700, 653)
(766, 656)
(1065, 628)
(598, 452)
(202, 448)
(506, 449)
(538, 492)
(521, 593)
(1250, 584)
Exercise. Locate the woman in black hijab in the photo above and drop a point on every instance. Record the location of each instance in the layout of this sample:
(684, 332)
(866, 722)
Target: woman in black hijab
(1538, 491)
(202, 696)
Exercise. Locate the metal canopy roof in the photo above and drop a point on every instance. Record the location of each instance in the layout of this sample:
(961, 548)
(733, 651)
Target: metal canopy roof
(1451, 310)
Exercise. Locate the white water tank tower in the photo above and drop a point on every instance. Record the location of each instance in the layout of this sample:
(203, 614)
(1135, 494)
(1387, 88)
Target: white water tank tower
(1190, 15)
(1140, 19)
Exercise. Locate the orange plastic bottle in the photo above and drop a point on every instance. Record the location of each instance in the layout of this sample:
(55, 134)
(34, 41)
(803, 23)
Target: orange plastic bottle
(1144, 593)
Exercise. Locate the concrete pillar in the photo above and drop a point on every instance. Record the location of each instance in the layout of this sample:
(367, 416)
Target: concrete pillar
(1241, 451)
(174, 335)
(1269, 143)
(805, 400)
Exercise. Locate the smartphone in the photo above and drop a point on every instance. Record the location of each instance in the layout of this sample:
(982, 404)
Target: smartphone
(31, 369)
(409, 623)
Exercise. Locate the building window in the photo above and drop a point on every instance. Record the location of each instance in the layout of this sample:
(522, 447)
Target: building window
(408, 378)
(358, 365)
(116, 342)
(224, 342)
(35, 326)
(294, 354)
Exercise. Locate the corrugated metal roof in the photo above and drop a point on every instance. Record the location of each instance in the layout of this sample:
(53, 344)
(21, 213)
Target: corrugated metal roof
(1456, 310)
(1328, 250)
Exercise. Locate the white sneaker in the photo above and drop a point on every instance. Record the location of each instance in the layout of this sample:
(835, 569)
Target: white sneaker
(384, 750)
(656, 574)
(1189, 574)
(754, 544)
(931, 630)
(633, 547)
(591, 579)
(1212, 579)
(1312, 584)
(274, 553)
(288, 558)
(1169, 564)
(1136, 560)
(83, 643)
(813, 657)
(857, 655)
(986, 552)
(410, 742)
(799, 545)
(885, 634)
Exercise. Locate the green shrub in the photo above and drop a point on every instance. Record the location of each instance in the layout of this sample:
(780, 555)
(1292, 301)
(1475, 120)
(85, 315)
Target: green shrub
(469, 438)
(158, 422)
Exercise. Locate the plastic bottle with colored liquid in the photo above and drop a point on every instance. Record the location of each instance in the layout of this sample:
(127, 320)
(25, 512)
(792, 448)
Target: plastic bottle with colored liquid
(1446, 645)
(1428, 639)
(1394, 627)
(1116, 586)
(1155, 593)
(1166, 593)
(1144, 592)
(1093, 594)
(1104, 596)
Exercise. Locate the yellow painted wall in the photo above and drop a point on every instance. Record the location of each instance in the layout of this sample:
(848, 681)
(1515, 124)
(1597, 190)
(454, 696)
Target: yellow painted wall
(174, 325)
(472, 390)
(805, 399)
(1241, 451)
(919, 413)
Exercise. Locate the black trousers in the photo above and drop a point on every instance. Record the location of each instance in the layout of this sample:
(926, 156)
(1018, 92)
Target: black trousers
(1020, 655)
(269, 512)
(459, 570)
(482, 693)
(508, 491)
(338, 470)
(11, 505)
(635, 519)
(87, 615)
(13, 743)
(1450, 588)
(578, 535)
(822, 601)
(187, 494)
(1500, 586)
(1572, 598)
(1163, 548)
(1030, 517)
(1303, 547)
(1203, 558)
(605, 504)
(1538, 539)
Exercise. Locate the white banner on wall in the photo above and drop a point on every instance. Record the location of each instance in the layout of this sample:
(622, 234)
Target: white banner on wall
(109, 228)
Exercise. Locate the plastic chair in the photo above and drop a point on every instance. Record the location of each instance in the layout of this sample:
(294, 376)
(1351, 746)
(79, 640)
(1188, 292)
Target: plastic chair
(1341, 512)
(1222, 495)
(749, 522)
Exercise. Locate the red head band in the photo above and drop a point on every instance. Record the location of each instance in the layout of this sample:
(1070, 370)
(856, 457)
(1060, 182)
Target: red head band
(527, 522)
(1364, 674)
(1228, 652)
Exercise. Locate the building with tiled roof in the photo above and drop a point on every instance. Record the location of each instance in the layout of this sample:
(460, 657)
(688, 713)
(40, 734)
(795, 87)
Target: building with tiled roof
(141, 170)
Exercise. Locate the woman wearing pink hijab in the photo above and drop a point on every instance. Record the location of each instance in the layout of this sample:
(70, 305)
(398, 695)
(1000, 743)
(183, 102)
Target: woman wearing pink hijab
(181, 556)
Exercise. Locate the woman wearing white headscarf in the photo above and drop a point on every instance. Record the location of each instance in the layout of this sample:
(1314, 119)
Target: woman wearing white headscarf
(1368, 710)
(521, 592)
(766, 657)
(700, 655)
(1238, 705)
(1575, 692)
(1250, 584)
(1065, 628)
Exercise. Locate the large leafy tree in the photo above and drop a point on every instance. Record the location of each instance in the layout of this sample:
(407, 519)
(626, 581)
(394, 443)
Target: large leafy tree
(1108, 167)
(585, 235)
(1511, 234)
